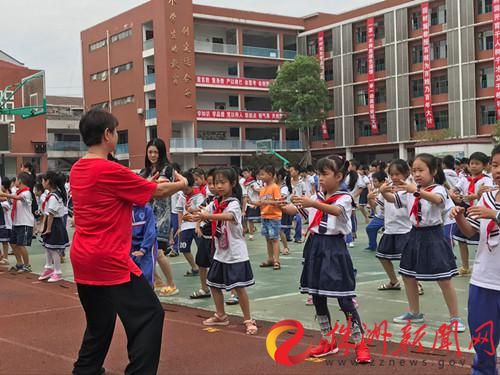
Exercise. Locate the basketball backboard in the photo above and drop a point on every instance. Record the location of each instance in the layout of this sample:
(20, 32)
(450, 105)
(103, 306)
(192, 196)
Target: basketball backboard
(33, 97)
(264, 146)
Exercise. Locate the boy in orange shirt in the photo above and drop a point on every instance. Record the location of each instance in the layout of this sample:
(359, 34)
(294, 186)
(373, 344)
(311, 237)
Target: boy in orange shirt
(270, 211)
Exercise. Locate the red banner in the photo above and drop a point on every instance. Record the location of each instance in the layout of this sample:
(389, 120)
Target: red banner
(233, 82)
(321, 54)
(237, 115)
(496, 46)
(370, 31)
(426, 67)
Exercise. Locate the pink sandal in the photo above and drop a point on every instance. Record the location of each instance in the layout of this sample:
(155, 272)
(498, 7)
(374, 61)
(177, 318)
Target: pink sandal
(251, 327)
(216, 320)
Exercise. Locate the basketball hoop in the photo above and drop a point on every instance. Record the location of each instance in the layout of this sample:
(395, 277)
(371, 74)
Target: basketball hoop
(34, 100)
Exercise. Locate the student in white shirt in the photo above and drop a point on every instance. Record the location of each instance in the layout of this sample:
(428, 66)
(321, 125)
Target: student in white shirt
(355, 185)
(484, 291)
(427, 256)
(5, 221)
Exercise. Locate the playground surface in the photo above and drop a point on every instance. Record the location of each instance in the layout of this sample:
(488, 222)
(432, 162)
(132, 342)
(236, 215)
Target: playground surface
(42, 324)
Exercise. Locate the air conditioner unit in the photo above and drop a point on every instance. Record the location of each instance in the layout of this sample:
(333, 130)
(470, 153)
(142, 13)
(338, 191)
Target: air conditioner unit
(12, 128)
(140, 111)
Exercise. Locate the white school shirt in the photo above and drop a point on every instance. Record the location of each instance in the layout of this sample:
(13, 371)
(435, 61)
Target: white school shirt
(396, 221)
(23, 215)
(360, 183)
(55, 206)
(449, 204)
(432, 214)
(485, 181)
(285, 192)
(43, 197)
(237, 250)
(335, 225)
(455, 181)
(195, 202)
(486, 270)
(253, 189)
(174, 198)
(6, 212)
(379, 207)
(299, 188)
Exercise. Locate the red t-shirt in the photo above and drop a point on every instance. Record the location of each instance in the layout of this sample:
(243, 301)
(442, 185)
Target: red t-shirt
(103, 194)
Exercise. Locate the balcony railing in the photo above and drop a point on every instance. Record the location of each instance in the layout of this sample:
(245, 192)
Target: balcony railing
(259, 51)
(177, 144)
(150, 113)
(148, 44)
(201, 46)
(66, 146)
(149, 79)
(290, 55)
(122, 148)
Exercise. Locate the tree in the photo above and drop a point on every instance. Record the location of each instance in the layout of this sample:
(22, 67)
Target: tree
(302, 95)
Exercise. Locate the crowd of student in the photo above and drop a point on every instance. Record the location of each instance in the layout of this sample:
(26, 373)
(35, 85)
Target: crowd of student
(421, 208)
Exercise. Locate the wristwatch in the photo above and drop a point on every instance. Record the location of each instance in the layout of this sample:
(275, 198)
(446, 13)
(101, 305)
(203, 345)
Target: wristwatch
(416, 194)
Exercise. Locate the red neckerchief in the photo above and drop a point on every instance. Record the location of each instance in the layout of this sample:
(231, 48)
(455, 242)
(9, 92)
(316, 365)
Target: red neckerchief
(196, 190)
(203, 189)
(46, 200)
(414, 208)
(319, 214)
(219, 208)
(14, 204)
(472, 184)
(248, 180)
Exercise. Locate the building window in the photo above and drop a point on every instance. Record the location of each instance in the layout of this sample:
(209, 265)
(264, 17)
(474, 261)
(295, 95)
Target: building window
(123, 137)
(361, 34)
(485, 39)
(123, 101)
(419, 122)
(120, 36)
(100, 76)
(441, 119)
(416, 21)
(379, 30)
(312, 47)
(438, 15)
(103, 105)
(362, 65)
(232, 70)
(379, 63)
(417, 88)
(488, 114)
(234, 101)
(439, 85)
(486, 77)
(362, 96)
(123, 68)
(97, 45)
(484, 6)
(416, 54)
(439, 50)
(329, 70)
(365, 130)
(152, 133)
(380, 95)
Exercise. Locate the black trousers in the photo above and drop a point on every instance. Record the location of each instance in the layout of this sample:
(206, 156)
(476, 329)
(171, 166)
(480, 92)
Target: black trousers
(142, 315)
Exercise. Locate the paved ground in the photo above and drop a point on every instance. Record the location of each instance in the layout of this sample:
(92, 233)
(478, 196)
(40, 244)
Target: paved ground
(275, 297)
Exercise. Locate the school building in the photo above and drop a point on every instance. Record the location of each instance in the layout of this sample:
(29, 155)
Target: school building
(403, 77)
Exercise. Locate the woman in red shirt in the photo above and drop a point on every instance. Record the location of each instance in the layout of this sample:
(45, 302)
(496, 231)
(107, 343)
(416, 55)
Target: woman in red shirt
(109, 283)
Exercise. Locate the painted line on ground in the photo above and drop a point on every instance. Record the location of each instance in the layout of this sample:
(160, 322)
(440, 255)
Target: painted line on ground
(297, 293)
(56, 309)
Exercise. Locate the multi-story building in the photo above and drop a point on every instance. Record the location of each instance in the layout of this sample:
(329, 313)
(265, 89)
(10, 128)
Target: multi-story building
(64, 146)
(20, 140)
(198, 77)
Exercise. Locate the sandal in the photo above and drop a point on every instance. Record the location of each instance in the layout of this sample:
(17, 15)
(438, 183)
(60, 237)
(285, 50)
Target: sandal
(420, 289)
(200, 294)
(276, 266)
(250, 327)
(266, 264)
(285, 251)
(167, 291)
(192, 273)
(232, 300)
(216, 320)
(390, 286)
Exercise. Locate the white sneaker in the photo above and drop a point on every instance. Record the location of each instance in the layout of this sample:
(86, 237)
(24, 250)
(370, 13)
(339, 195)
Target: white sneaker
(351, 244)
(250, 237)
(460, 324)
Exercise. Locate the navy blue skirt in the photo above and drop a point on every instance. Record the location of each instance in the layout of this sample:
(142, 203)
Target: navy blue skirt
(5, 234)
(230, 275)
(392, 245)
(460, 237)
(57, 239)
(328, 270)
(286, 221)
(253, 213)
(428, 256)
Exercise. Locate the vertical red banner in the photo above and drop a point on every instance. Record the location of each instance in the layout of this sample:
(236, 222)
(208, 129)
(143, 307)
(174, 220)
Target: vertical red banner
(321, 54)
(426, 67)
(370, 31)
(496, 48)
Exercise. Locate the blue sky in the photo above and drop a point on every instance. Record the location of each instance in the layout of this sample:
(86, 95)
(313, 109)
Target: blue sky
(48, 35)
